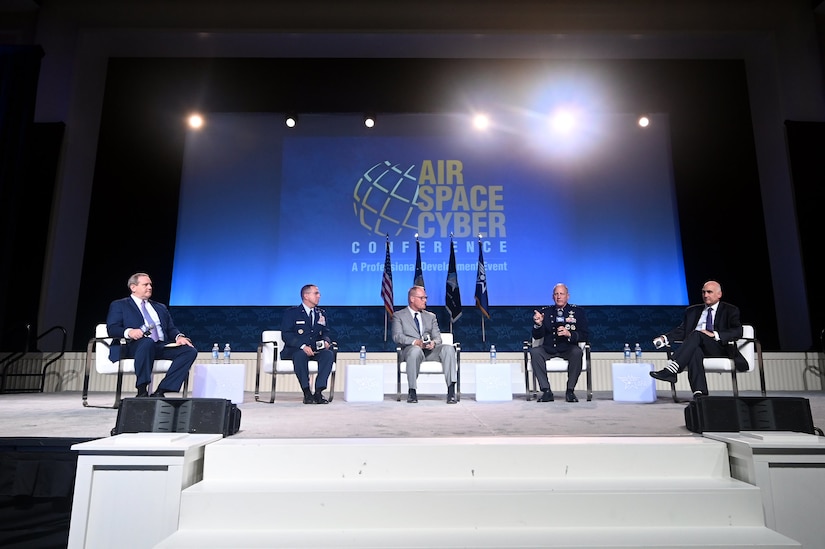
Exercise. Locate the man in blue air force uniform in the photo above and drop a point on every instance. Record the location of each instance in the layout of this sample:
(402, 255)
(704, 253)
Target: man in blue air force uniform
(307, 337)
(562, 326)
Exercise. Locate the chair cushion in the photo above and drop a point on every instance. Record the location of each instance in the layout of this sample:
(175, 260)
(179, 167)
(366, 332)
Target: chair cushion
(105, 366)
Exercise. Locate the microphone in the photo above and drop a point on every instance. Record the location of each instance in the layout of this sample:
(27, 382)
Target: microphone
(147, 329)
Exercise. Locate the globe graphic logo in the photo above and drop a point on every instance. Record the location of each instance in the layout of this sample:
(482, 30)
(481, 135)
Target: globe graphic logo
(385, 199)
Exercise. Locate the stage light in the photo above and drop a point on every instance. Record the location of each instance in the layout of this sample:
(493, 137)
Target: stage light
(644, 121)
(195, 121)
(481, 121)
(563, 121)
(369, 120)
(291, 120)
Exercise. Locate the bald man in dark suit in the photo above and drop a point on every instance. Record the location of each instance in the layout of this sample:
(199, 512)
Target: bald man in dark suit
(705, 331)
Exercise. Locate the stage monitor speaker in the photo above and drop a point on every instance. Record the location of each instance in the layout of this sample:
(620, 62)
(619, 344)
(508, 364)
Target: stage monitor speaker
(734, 414)
(177, 415)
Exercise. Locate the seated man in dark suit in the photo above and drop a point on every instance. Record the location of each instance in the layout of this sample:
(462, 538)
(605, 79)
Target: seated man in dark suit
(150, 334)
(705, 330)
(306, 336)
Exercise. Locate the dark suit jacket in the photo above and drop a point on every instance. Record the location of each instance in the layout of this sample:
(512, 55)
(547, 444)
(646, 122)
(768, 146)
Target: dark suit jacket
(124, 313)
(726, 323)
(297, 330)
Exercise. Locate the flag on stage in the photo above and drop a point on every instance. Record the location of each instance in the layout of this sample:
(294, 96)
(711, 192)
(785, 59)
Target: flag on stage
(481, 285)
(386, 282)
(419, 274)
(453, 299)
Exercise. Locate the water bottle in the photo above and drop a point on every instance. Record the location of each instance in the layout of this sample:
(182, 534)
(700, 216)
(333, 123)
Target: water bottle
(226, 351)
(215, 352)
(627, 352)
(492, 354)
(638, 352)
(362, 356)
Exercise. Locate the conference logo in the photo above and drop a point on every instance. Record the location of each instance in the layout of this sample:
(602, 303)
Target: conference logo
(430, 199)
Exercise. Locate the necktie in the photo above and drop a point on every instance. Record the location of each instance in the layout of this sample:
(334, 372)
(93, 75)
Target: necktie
(148, 319)
(709, 321)
(417, 324)
(312, 316)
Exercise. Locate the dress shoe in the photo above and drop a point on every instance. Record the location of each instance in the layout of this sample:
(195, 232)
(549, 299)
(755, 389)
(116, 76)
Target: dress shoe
(664, 375)
(570, 396)
(308, 398)
(142, 392)
(412, 398)
(546, 396)
(159, 393)
(319, 398)
(451, 394)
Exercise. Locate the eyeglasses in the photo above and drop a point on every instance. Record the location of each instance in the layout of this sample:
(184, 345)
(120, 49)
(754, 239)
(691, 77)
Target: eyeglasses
(420, 296)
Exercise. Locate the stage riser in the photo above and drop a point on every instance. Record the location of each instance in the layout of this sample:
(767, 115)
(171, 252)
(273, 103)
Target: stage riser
(527, 537)
(471, 492)
(349, 506)
(467, 458)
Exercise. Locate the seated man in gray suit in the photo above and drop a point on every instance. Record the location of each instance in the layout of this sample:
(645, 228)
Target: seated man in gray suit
(416, 330)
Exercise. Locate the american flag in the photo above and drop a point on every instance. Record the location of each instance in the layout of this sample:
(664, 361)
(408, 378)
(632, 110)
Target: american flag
(386, 282)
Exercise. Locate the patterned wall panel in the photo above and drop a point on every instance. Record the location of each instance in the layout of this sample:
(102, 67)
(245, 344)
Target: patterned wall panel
(611, 326)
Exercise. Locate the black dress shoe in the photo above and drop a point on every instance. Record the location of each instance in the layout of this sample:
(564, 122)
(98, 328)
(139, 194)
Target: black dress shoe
(570, 396)
(451, 399)
(142, 393)
(664, 375)
(319, 398)
(546, 396)
(158, 394)
(308, 398)
(412, 398)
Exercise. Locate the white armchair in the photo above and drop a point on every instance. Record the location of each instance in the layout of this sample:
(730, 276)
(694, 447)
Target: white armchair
(751, 350)
(432, 366)
(270, 362)
(97, 351)
(555, 364)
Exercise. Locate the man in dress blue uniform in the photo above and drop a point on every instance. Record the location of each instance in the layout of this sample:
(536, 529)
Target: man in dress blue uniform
(562, 326)
(307, 337)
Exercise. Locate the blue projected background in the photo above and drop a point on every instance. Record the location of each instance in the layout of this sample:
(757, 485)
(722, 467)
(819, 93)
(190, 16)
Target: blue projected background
(265, 209)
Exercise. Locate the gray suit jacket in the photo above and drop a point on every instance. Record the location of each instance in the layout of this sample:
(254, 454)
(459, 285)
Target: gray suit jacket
(404, 330)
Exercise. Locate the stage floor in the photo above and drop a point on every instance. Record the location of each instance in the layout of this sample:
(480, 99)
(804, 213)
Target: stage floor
(62, 415)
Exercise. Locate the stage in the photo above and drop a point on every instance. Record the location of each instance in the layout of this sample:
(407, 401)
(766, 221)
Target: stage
(62, 415)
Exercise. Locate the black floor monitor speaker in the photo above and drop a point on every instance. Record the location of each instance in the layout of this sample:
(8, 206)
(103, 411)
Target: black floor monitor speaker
(177, 415)
(733, 414)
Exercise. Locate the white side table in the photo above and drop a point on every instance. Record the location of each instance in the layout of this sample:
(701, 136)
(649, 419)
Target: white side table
(493, 382)
(789, 469)
(632, 382)
(117, 475)
(364, 383)
(219, 381)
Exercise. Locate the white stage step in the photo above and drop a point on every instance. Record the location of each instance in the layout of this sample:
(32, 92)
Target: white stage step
(471, 492)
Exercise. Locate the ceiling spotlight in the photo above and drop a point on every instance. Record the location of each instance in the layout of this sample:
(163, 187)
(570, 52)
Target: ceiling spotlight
(369, 120)
(195, 121)
(481, 121)
(644, 121)
(291, 120)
